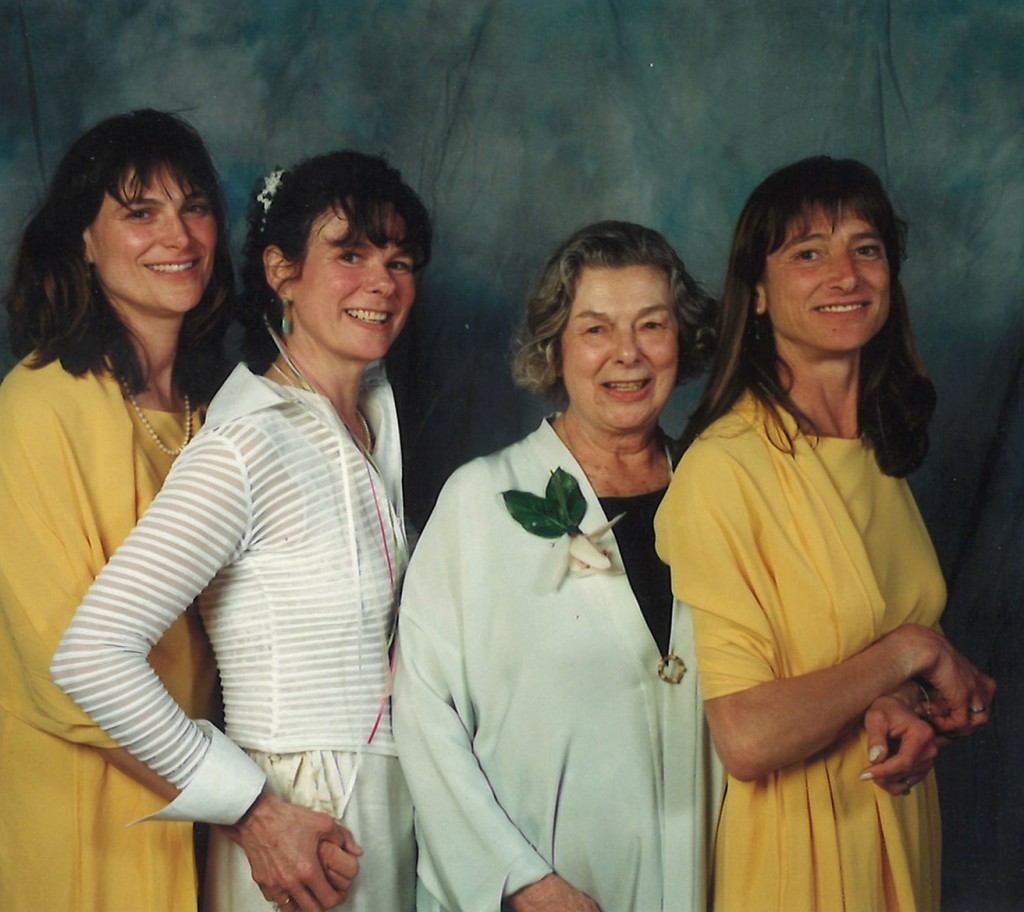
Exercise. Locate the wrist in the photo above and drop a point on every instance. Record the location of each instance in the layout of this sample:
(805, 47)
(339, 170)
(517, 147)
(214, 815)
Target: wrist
(252, 813)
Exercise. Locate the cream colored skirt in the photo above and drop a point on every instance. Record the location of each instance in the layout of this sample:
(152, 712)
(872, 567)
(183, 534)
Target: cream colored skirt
(378, 812)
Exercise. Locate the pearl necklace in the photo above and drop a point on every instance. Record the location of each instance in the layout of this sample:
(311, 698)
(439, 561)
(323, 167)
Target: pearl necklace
(152, 431)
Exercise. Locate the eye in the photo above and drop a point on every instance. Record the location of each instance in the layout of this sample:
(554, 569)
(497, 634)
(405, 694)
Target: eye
(349, 256)
(652, 324)
(139, 214)
(870, 251)
(594, 330)
(402, 265)
(198, 207)
(806, 255)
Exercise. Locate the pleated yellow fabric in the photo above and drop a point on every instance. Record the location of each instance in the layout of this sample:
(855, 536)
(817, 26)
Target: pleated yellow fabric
(793, 564)
(76, 472)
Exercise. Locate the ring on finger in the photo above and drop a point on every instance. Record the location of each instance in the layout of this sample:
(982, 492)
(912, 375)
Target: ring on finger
(977, 710)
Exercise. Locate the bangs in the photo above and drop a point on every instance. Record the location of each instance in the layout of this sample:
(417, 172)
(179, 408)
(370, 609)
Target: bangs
(376, 221)
(129, 186)
(833, 210)
(381, 223)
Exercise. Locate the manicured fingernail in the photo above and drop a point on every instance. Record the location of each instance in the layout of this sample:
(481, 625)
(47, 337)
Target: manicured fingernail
(875, 753)
(866, 777)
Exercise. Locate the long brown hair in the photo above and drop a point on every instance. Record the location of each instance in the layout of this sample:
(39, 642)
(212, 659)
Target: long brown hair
(56, 307)
(896, 399)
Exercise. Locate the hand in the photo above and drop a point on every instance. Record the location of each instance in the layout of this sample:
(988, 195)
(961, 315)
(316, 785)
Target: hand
(551, 894)
(901, 745)
(299, 857)
(964, 692)
(339, 862)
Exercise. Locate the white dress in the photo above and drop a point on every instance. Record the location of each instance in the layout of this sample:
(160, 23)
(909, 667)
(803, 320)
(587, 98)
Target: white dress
(532, 725)
(297, 540)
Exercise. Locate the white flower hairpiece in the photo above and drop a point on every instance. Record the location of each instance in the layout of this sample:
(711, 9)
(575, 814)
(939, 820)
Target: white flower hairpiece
(271, 184)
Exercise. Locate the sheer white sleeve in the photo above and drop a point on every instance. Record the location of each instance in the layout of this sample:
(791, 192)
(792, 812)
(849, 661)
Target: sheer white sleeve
(198, 523)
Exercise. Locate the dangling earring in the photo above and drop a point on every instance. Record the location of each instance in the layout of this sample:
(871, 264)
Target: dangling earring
(286, 324)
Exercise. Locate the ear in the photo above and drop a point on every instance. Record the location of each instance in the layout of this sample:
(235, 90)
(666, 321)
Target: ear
(87, 240)
(760, 299)
(278, 269)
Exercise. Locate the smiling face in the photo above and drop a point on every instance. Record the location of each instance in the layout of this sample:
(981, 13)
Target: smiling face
(153, 254)
(619, 350)
(349, 298)
(826, 289)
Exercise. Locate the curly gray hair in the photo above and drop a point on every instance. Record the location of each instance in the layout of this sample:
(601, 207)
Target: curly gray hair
(608, 245)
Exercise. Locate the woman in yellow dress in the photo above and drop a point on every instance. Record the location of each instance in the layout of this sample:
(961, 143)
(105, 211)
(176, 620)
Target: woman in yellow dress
(815, 589)
(118, 306)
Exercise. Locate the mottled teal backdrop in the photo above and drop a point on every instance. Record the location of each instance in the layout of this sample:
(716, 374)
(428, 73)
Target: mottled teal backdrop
(519, 120)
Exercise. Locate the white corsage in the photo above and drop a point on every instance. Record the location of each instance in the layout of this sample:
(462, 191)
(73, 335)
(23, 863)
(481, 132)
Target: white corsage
(557, 515)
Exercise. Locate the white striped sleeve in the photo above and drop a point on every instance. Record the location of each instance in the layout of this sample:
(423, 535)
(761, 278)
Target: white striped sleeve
(198, 523)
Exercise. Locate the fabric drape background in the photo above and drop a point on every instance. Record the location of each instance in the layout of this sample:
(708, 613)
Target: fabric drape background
(519, 120)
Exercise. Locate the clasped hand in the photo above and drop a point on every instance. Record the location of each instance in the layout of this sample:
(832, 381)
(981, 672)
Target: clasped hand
(905, 729)
(300, 858)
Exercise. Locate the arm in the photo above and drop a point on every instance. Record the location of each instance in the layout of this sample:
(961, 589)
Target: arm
(772, 725)
(66, 495)
(737, 556)
(551, 894)
(198, 523)
(472, 853)
(191, 529)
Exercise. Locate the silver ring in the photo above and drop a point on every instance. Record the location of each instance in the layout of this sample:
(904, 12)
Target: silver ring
(978, 710)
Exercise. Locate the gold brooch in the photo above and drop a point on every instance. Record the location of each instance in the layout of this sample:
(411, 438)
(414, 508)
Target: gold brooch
(671, 669)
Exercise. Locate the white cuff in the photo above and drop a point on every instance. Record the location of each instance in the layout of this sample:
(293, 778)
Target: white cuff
(223, 788)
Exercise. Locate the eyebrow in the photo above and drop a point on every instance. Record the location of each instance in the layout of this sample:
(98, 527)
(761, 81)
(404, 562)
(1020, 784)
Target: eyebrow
(601, 315)
(156, 201)
(822, 236)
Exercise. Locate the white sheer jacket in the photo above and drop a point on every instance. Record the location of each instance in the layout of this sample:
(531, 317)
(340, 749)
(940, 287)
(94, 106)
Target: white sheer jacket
(296, 541)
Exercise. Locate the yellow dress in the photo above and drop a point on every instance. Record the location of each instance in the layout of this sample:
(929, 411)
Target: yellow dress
(76, 472)
(793, 565)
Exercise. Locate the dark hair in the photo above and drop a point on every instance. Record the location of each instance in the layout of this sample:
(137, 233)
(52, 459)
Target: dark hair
(285, 207)
(896, 398)
(608, 245)
(57, 309)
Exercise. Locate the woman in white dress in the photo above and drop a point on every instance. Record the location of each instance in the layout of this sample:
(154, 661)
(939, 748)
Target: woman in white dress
(546, 705)
(286, 513)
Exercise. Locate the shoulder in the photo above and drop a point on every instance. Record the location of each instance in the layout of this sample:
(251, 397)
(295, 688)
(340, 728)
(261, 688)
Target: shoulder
(51, 386)
(35, 401)
(739, 436)
(526, 463)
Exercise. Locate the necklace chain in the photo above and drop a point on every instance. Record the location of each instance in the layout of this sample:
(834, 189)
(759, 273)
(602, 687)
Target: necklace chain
(152, 431)
(296, 376)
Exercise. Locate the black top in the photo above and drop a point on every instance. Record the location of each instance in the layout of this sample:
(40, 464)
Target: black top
(649, 578)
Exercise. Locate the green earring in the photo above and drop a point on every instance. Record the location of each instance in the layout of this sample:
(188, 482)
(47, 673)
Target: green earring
(286, 324)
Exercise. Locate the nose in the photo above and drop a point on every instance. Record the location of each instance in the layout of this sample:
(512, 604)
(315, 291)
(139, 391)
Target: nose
(844, 272)
(627, 351)
(379, 280)
(176, 232)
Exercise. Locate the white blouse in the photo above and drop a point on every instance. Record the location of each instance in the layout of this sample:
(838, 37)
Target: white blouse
(295, 539)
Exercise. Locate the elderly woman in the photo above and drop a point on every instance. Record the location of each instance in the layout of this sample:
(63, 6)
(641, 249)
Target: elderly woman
(287, 511)
(121, 294)
(547, 712)
(815, 590)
